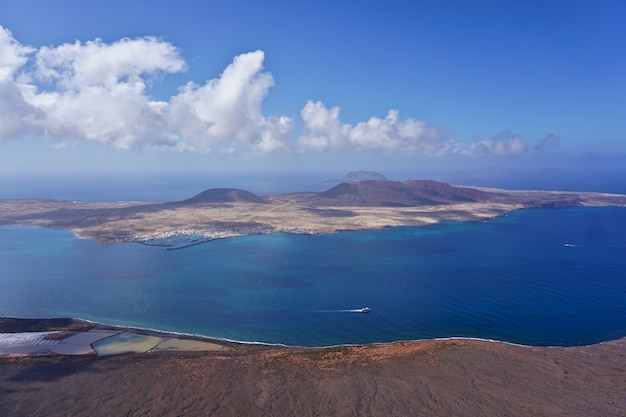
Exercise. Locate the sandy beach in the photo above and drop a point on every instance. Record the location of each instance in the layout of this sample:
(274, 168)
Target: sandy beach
(430, 378)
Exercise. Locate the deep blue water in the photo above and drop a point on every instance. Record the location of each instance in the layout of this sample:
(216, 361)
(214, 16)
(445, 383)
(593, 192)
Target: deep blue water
(510, 278)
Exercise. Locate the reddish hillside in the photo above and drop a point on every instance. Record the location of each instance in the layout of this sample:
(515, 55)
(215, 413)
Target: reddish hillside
(398, 194)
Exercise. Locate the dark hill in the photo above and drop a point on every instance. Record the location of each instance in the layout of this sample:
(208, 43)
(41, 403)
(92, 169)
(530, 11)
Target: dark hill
(398, 194)
(447, 192)
(225, 195)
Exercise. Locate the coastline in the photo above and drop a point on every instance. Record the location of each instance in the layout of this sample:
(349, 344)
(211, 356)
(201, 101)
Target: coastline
(76, 325)
(69, 336)
(432, 378)
(70, 326)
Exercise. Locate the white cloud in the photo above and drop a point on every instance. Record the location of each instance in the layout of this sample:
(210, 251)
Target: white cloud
(274, 134)
(94, 63)
(99, 92)
(229, 107)
(325, 131)
(12, 54)
(17, 116)
(506, 143)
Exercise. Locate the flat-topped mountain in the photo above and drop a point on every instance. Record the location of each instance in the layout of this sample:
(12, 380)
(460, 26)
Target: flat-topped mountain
(399, 194)
(225, 195)
(365, 176)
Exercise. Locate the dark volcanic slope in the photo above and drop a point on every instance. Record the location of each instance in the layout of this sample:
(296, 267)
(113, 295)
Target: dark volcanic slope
(399, 194)
(445, 378)
(225, 195)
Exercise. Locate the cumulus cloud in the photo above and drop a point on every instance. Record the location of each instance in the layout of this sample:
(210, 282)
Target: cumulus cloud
(96, 91)
(17, 115)
(325, 131)
(506, 143)
(230, 107)
(100, 92)
(12, 54)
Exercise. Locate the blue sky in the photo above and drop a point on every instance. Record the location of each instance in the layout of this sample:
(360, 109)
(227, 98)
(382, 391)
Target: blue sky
(452, 90)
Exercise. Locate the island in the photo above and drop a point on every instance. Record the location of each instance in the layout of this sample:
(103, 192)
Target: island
(226, 212)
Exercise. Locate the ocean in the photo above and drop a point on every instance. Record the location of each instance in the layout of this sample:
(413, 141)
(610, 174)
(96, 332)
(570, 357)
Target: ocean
(175, 187)
(534, 277)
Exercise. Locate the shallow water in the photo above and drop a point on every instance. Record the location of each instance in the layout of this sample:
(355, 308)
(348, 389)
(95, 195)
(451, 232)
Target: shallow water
(512, 278)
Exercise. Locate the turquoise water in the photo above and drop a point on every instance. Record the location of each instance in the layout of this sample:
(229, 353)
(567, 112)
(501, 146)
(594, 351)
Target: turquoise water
(512, 278)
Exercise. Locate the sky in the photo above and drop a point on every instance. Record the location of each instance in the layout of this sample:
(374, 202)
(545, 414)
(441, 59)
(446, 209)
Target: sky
(525, 94)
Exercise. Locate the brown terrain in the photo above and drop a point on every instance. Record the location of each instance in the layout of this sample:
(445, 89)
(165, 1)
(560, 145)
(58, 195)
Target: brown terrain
(431, 378)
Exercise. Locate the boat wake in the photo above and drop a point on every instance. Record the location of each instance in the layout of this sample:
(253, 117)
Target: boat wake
(572, 245)
(353, 310)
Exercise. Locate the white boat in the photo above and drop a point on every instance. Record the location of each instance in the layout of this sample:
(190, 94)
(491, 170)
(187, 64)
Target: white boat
(365, 310)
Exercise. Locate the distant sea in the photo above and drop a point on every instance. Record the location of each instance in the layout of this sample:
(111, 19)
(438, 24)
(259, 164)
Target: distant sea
(153, 188)
(536, 277)
(175, 187)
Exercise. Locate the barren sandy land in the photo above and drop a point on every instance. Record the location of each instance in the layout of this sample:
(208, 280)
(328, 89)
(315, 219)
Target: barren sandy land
(433, 378)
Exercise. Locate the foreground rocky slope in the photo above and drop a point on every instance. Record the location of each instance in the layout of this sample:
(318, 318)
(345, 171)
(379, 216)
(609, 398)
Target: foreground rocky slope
(434, 378)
